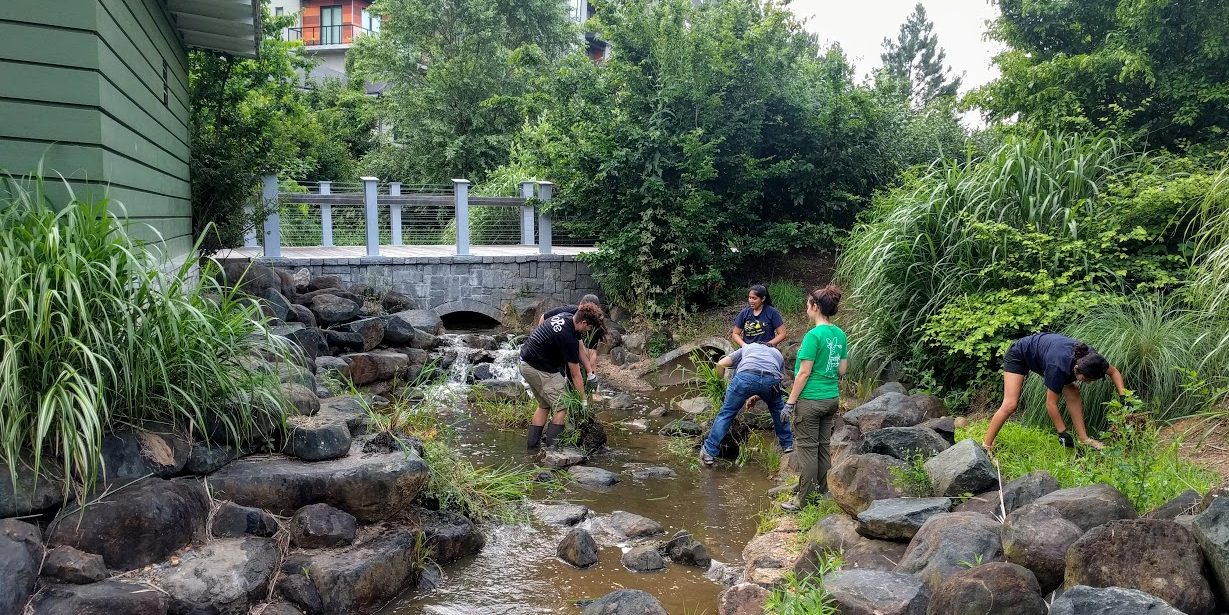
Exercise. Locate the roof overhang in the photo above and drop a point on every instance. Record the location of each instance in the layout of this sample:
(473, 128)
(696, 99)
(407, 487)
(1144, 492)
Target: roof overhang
(228, 26)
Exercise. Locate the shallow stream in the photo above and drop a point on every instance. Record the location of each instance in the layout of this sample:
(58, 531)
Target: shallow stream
(517, 572)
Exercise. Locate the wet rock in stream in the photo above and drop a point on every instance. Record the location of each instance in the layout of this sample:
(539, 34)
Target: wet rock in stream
(578, 548)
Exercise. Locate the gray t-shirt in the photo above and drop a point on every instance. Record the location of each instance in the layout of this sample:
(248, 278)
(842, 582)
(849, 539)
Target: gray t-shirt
(759, 358)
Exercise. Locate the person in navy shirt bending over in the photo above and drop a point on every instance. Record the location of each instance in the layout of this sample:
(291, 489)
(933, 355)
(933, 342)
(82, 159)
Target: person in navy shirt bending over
(1062, 362)
(759, 322)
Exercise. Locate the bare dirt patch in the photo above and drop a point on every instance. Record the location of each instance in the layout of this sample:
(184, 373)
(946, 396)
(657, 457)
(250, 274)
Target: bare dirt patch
(1203, 442)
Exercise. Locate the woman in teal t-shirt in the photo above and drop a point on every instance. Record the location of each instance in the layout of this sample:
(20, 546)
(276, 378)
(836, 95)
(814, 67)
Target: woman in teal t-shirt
(815, 396)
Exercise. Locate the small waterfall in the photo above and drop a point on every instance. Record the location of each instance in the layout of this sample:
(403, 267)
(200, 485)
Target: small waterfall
(463, 352)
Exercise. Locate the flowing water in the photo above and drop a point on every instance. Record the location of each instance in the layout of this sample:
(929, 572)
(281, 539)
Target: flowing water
(517, 572)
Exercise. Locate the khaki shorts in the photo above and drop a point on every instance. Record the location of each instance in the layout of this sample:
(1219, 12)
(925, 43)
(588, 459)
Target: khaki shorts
(548, 388)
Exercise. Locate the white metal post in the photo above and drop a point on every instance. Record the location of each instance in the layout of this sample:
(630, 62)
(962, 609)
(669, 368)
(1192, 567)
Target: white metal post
(372, 215)
(250, 238)
(460, 191)
(394, 214)
(527, 215)
(544, 227)
(273, 221)
(326, 215)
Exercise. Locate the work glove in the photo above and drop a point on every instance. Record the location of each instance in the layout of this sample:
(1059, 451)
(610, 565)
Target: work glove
(787, 413)
(592, 377)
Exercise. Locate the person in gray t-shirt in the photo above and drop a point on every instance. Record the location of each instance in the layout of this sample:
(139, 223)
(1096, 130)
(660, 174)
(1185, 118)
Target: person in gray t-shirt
(757, 372)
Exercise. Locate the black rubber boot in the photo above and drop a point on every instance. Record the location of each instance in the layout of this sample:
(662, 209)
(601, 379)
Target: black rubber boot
(1066, 439)
(552, 434)
(535, 437)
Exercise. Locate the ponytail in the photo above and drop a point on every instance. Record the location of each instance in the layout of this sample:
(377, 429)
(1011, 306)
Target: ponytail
(761, 291)
(1088, 362)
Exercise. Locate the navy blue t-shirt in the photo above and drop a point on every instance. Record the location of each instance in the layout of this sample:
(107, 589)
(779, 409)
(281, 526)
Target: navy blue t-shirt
(1051, 355)
(759, 329)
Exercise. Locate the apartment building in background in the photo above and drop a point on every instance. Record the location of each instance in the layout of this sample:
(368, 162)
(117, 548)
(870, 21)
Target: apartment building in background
(328, 28)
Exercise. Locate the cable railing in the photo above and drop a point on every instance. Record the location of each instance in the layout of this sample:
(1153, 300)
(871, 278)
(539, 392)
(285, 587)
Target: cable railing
(371, 213)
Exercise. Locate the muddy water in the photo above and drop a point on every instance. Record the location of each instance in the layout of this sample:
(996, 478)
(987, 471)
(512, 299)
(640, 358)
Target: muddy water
(518, 573)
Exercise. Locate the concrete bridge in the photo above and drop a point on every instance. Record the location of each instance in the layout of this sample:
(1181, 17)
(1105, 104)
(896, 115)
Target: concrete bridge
(451, 276)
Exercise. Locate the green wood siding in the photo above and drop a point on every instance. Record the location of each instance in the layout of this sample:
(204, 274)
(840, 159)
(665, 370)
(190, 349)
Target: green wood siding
(81, 89)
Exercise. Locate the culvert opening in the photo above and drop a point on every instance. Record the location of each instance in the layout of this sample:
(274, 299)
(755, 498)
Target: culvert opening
(468, 321)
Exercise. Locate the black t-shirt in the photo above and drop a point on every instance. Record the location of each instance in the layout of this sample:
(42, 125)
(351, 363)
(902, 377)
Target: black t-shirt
(552, 345)
(759, 329)
(591, 337)
(1051, 355)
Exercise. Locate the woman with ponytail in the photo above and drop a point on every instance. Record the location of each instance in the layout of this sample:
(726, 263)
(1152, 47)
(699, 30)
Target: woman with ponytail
(815, 396)
(1064, 363)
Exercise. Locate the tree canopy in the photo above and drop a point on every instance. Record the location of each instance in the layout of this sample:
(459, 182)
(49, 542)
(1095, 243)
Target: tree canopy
(1156, 71)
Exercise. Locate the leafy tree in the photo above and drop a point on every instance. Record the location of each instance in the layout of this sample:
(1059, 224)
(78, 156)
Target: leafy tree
(914, 63)
(347, 121)
(715, 133)
(248, 120)
(1156, 71)
(455, 70)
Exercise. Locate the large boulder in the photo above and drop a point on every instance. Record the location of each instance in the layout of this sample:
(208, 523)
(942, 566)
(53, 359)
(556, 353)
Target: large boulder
(1152, 555)
(26, 492)
(451, 536)
(311, 439)
(207, 458)
(889, 387)
(945, 426)
(21, 554)
(949, 543)
(683, 548)
(769, 557)
(593, 477)
(563, 457)
(249, 277)
(899, 518)
(565, 515)
(138, 525)
(318, 526)
(369, 330)
(1028, 489)
(931, 406)
(887, 410)
(372, 487)
(1211, 529)
(998, 587)
(314, 342)
(129, 454)
(1184, 503)
(301, 314)
(625, 602)
(329, 309)
(876, 592)
(232, 520)
(858, 480)
(70, 565)
(1037, 537)
(577, 548)
(102, 598)
(643, 558)
(1090, 506)
(904, 443)
(630, 525)
(743, 599)
(225, 576)
(426, 321)
(838, 534)
(376, 366)
(963, 468)
(304, 400)
(1084, 600)
(355, 579)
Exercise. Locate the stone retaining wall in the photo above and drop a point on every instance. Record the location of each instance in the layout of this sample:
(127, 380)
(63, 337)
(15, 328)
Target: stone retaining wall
(483, 284)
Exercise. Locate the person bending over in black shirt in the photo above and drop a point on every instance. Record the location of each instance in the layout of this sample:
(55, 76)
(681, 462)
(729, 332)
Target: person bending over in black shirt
(588, 341)
(550, 352)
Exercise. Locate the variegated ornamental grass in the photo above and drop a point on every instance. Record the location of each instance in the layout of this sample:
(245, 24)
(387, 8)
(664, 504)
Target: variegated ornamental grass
(96, 334)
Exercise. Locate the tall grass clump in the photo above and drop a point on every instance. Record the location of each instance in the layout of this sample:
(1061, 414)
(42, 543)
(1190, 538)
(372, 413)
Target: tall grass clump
(805, 595)
(94, 334)
(1158, 345)
(788, 297)
(959, 229)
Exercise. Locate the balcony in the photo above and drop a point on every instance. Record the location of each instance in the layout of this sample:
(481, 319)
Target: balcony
(327, 36)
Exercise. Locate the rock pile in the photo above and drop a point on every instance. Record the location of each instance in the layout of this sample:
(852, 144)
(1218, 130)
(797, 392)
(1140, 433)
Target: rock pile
(1003, 550)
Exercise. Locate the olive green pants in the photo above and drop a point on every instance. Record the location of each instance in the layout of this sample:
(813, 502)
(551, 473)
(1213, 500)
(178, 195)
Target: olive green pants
(813, 420)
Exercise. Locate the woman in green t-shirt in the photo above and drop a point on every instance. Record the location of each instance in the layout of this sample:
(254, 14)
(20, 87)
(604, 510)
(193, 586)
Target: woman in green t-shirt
(815, 397)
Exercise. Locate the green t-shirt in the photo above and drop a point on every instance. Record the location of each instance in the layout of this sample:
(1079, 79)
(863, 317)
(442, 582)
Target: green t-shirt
(826, 346)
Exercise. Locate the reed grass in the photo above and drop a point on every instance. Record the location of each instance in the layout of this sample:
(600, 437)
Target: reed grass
(95, 334)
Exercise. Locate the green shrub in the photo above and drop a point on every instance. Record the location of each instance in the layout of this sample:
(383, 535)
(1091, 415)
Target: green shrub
(94, 335)
(1156, 345)
(913, 479)
(805, 595)
(1134, 461)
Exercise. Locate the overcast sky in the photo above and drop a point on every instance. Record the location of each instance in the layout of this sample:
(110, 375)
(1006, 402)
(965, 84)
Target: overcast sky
(861, 25)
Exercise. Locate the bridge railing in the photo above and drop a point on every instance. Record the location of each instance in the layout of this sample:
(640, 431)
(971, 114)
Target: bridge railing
(371, 214)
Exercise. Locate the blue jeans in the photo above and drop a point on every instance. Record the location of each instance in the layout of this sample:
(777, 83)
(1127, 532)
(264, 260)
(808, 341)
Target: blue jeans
(742, 386)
